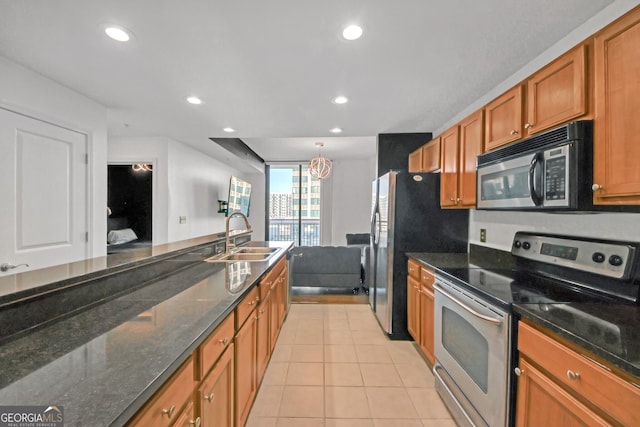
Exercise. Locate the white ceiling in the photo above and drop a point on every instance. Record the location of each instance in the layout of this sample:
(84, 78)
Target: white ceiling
(270, 68)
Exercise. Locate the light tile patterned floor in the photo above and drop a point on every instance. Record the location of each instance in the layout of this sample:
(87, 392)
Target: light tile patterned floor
(334, 367)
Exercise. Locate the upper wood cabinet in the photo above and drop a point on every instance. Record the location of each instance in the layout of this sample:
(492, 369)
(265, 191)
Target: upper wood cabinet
(471, 145)
(425, 158)
(617, 112)
(503, 118)
(557, 93)
(449, 168)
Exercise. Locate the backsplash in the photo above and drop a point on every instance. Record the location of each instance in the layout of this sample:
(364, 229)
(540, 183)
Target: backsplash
(501, 226)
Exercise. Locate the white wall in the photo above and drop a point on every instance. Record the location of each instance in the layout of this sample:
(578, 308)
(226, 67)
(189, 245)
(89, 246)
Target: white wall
(351, 198)
(25, 92)
(501, 226)
(186, 183)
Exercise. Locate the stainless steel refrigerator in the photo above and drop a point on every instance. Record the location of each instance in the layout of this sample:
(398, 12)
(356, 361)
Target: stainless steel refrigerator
(406, 217)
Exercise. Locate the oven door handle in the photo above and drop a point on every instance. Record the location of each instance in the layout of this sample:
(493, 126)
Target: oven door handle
(489, 319)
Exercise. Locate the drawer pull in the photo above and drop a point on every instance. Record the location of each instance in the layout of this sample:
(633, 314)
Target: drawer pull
(224, 341)
(196, 422)
(519, 372)
(208, 397)
(513, 132)
(573, 375)
(169, 412)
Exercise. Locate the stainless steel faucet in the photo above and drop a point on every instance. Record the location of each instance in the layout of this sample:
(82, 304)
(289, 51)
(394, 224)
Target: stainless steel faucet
(246, 222)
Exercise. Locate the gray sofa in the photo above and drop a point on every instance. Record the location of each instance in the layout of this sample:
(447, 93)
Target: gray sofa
(326, 267)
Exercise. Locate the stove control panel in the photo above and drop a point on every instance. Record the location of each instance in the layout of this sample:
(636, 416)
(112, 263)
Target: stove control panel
(607, 258)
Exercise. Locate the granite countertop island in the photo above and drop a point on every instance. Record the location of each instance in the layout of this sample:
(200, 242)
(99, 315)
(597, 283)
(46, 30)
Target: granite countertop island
(620, 349)
(103, 363)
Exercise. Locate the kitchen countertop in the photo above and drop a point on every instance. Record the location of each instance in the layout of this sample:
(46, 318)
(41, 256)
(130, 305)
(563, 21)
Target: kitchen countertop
(104, 363)
(625, 318)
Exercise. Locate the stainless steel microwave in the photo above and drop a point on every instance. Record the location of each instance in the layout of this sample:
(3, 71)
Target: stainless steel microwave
(552, 170)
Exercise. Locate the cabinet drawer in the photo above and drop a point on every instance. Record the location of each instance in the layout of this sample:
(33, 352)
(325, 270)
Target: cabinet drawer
(267, 283)
(413, 269)
(427, 278)
(212, 348)
(246, 307)
(588, 380)
(187, 418)
(164, 408)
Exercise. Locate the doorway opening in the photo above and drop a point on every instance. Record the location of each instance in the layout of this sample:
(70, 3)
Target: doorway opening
(129, 206)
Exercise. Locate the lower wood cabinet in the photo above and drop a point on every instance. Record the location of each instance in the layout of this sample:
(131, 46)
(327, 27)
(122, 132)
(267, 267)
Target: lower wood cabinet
(217, 384)
(420, 308)
(215, 394)
(562, 386)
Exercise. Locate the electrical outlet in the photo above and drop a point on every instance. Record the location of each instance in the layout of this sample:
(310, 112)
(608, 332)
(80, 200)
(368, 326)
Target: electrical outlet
(483, 234)
(183, 220)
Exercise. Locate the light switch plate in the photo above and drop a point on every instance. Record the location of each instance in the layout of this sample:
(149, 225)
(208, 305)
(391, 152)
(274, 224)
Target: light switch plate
(483, 234)
(183, 220)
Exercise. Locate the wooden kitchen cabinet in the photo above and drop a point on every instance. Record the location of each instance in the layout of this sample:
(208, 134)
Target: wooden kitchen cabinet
(617, 109)
(165, 407)
(246, 355)
(570, 383)
(425, 158)
(449, 162)
(460, 147)
(413, 300)
(503, 119)
(557, 93)
(263, 346)
(215, 394)
(427, 308)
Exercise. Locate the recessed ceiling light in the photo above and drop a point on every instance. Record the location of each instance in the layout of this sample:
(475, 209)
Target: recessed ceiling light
(117, 33)
(336, 130)
(229, 130)
(194, 100)
(352, 32)
(340, 100)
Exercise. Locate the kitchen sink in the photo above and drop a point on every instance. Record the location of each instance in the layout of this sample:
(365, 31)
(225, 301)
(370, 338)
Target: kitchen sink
(244, 254)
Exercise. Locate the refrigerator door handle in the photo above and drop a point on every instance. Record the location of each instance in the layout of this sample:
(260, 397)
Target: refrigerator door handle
(376, 228)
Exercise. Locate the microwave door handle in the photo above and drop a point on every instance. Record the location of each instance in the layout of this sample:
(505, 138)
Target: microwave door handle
(535, 196)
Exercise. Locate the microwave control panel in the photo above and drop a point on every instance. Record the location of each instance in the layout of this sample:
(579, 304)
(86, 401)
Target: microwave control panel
(556, 174)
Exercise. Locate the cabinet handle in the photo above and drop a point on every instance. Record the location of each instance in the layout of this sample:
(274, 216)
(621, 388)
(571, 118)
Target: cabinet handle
(514, 132)
(208, 397)
(224, 341)
(573, 375)
(518, 371)
(458, 200)
(251, 302)
(169, 412)
(596, 187)
(452, 199)
(528, 125)
(261, 311)
(195, 422)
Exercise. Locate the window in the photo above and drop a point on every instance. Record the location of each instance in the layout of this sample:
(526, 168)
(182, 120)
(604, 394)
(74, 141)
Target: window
(294, 203)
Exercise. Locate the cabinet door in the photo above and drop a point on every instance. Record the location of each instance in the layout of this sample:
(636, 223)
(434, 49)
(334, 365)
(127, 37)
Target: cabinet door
(264, 335)
(449, 168)
(471, 145)
(245, 368)
(415, 161)
(427, 332)
(557, 93)
(617, 109)
(503, 119)
(413, 308)
(216, 393)
(431, 156)
(541, 402)
(283, 297)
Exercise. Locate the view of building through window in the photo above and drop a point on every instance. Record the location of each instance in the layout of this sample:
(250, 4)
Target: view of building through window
(294, 205)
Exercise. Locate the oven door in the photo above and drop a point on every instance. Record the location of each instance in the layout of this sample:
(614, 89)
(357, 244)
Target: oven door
(472, 342)
(513, 183)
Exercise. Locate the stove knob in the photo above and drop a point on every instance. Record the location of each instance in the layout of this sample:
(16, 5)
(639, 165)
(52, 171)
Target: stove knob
(598, 257)
(526, 245)
(517, 244)
(616, 260)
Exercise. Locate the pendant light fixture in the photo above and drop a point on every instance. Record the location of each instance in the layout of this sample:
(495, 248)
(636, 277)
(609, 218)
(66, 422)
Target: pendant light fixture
(320, 167)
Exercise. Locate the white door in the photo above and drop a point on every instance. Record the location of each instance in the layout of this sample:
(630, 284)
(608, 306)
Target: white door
(43, 193)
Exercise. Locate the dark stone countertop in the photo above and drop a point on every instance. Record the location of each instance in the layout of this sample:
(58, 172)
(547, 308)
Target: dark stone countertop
(104, 363)
(624, 319)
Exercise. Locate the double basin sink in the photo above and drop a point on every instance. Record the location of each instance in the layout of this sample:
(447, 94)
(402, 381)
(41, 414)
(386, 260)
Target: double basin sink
(245, 254)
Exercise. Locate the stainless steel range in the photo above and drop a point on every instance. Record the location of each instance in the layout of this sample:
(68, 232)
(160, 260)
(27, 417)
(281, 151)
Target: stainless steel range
(474, 337)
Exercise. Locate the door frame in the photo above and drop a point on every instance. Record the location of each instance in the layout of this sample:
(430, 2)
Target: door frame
(126, 160)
